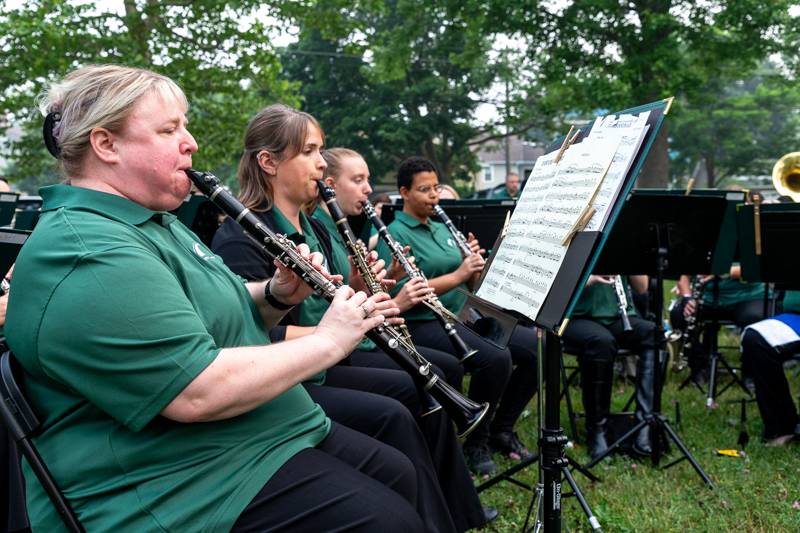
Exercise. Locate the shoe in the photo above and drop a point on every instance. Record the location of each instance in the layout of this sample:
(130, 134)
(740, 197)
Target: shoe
(479, 460)
(777, 442)
(700, 377)
(645, 390)
(508, 443)
(490, 514)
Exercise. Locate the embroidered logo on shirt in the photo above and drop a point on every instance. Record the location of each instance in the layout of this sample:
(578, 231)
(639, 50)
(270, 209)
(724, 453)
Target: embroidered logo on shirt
(199, 251)
(450, 243)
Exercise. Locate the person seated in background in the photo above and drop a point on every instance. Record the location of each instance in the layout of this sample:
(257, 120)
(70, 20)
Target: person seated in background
(765, 346)
(164, 405)
(510, 191)
(377, 199)
(594, 334)
(448, 193)
(728, 298)
(4, 185)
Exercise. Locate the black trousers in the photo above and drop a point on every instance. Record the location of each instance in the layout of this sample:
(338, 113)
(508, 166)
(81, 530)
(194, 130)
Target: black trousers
(592, 340)
(444, 364)
(741, 313)
(349, 482)
(369, 400)
(772, 389)
(493, 381)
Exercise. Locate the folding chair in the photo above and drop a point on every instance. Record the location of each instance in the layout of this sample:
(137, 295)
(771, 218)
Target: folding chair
(22, 426)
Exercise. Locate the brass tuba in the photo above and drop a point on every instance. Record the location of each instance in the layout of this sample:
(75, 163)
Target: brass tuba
(786, 176)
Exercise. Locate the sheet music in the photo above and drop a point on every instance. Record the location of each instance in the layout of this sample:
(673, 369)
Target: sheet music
(629, 130)
(553, 200)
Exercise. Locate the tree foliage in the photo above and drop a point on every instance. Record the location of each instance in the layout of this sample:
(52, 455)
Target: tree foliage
(226, 66)
(404, 78)
(596, 55)
(740, 127)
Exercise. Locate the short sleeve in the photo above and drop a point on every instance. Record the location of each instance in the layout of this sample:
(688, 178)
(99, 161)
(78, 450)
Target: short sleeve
(240, 253)
(128, 343)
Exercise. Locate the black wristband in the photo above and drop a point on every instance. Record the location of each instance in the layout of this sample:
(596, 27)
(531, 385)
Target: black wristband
(272, 301)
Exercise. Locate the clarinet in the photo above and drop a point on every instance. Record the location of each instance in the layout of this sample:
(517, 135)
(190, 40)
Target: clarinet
(445, 317)
(465, 413)
(622, 301)
(689, 335)
(357, 250)
(461, 241)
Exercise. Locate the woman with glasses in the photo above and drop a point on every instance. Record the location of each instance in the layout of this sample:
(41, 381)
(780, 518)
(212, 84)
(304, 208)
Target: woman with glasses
(493, 381)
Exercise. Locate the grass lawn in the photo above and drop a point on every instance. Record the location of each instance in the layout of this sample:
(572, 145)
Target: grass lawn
(759, 492)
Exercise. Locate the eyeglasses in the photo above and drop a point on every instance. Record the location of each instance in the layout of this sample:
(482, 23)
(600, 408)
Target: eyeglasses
(427, 189)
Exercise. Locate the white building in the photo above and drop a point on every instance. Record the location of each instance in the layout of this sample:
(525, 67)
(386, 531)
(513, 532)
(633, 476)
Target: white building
(492, 158)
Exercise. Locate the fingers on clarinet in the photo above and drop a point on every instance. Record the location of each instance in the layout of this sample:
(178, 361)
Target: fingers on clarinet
(343, 293)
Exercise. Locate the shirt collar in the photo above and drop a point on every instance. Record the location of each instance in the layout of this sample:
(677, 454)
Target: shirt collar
(286, 227)
(407, 219)
(326, 219)
(109, 205)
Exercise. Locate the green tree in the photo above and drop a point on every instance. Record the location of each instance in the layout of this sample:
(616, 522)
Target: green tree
(740, 127)
(397, 78)
(596, 55)
(226, 66)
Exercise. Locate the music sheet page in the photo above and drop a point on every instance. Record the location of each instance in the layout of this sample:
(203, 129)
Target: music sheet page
(629, 130)
(555, 196)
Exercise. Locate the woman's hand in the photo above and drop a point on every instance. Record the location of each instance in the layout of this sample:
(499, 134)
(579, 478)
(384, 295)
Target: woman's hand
(474, 245)
(594, 279)
(412, 293)
(350, 315)
(470, 266)
(396, 270)
(287, 287)
(376, 266)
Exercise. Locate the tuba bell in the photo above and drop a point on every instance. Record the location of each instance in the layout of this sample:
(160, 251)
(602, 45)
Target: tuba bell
(786, 176)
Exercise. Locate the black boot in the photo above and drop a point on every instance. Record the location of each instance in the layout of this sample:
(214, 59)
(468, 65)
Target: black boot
(645, 389)
(596, 378)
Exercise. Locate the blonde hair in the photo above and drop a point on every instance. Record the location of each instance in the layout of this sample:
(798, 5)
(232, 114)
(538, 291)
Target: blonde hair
(279, 130)
(334, 158)
(98, 96)
(451, 190)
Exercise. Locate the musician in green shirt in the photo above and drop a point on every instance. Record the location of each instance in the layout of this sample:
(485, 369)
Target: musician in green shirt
(596, 330)
(510, 191)
(164, 405)
(507, 389)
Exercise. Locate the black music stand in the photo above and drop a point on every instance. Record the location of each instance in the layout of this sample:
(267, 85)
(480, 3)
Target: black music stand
(670, 235)
(8, 205)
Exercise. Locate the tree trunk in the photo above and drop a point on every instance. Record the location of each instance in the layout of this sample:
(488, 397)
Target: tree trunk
(655, 172)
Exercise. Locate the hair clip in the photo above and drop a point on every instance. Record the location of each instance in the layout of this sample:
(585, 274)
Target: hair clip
(49, 126)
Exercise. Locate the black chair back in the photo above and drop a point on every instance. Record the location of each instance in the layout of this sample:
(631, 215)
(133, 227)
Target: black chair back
(22, 424)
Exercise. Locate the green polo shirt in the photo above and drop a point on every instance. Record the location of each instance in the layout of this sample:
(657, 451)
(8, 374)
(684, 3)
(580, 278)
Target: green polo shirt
(599, 303)
(502, 194)
(341, 261)
(115, 310)
(791, 302)
(733, 291)
(436, 254)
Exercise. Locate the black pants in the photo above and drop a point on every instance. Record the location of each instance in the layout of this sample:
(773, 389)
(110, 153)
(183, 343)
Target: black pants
(772, 389)
(444, 364)
(492, 378)
(349, 482)
(741, 313)
(367, 399)
(588, 338)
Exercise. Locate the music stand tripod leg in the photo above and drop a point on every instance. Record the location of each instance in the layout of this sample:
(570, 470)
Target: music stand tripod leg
(554, 463)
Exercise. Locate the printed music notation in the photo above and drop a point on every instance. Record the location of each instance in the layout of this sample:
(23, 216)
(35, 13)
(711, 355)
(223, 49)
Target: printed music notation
(630, 131)
(555, 196)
